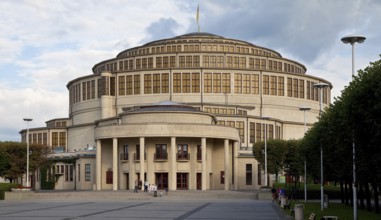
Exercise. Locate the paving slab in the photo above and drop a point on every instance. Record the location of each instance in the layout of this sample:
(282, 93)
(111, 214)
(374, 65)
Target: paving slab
(179, 206)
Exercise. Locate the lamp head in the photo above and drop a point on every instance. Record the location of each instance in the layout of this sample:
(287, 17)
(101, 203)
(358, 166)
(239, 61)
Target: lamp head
(320, 85)
(28, 119)
(304, 108)
(353, 39)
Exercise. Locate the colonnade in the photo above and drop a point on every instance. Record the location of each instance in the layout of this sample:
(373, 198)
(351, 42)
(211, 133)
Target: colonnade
(230, 167)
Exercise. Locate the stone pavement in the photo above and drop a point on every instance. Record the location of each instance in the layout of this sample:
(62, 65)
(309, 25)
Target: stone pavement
(84, 205)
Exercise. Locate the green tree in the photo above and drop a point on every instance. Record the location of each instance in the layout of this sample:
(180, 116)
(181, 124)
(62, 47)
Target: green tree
(293, 164)
(13, 159)
(354, 116)
(4, 160)
(17, 159)
(365, 99)
(281, 154)
(38, 156)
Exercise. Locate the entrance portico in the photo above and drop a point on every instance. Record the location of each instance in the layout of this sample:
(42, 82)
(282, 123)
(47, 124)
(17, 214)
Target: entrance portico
(171, 168)
(168, 153)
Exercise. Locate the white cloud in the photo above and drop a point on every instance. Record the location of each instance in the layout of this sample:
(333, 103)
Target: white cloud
(39, 104)
(9, 49)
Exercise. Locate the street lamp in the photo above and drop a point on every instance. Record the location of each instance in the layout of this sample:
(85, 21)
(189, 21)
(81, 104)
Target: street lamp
(321, 86)
(265, 118)
(27, 150)
(304, 109)
(352, 40)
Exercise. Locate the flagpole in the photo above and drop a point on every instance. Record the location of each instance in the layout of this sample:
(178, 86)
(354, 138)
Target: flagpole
(197, 16)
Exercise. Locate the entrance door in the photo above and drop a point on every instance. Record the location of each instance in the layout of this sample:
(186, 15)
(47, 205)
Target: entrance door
(182, 181)
(127, 175)
(161, 180)
(33, 182)
(199, 180)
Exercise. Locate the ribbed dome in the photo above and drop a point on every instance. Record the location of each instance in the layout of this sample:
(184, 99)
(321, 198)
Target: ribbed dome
(199, 34)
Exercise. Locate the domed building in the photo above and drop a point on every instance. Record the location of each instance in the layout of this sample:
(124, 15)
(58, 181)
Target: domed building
(180, 113)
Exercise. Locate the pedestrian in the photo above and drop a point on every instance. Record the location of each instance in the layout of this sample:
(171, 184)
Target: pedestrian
(140, 185)
(146, 186)
(274, 193)
(136, 186)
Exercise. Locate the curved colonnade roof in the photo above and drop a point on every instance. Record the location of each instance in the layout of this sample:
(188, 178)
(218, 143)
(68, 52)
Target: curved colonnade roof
(198, 35)
(195, 125)
(166, 106)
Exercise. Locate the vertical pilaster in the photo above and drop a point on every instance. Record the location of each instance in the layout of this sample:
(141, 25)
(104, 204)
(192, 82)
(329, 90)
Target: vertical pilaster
(131, 170)
(150, 167)
(115, 170)
(98, 165)
(226, 164)
(141, 158)
(235, 165)
(204, 171)
(173, 167)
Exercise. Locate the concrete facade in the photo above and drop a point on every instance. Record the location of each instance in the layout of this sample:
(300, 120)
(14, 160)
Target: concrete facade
(199, 98)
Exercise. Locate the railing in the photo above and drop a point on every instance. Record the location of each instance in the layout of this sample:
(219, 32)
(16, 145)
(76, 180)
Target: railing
(124, 156)
(246, 148)
(199, 156)
(137, 156)
(160, 156)
(183, 156)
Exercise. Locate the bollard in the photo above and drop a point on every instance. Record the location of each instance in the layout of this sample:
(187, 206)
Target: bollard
(155, 193)
(299, 211)
(325, 201)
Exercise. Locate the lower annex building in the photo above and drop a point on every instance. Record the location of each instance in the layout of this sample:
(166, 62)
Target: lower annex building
(180, 113)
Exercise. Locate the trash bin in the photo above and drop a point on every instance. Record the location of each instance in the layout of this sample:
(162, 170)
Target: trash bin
(325, 201)
(299, 211)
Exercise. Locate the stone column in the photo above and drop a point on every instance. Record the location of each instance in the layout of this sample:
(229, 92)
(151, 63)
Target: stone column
(115, 170)
(141, 158)
(226, 167)
(150, 166)
(98, 164)
(173, 168)
(204, 172)
(131, 168)
(235, 165)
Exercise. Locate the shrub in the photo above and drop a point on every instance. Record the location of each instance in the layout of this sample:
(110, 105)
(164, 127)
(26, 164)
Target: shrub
(7, 187)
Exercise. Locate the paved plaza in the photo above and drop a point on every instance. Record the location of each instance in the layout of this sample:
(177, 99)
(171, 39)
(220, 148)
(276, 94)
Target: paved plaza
(140, 206)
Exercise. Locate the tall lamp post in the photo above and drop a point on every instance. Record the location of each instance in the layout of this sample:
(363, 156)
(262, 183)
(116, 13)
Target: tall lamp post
(352, 40)
(304, 109)
(321, 86)
(27, 150)
(266, 118)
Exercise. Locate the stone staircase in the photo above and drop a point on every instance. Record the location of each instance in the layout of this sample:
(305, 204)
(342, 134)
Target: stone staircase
(109, 195)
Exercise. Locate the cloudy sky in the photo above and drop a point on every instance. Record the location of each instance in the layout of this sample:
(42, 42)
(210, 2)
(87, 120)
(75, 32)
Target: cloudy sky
(46, 43)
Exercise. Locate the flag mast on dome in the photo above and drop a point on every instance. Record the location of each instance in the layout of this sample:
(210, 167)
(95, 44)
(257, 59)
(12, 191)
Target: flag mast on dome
(197, 16)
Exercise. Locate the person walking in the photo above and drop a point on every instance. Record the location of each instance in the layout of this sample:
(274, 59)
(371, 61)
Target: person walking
(140, 185)
(136, 186)
(274, 193)
(146, 186)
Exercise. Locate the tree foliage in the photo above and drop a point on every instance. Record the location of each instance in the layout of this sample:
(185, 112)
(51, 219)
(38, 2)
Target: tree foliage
(354, 117)
(282, 155)
(294, 160)
(13, 159)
